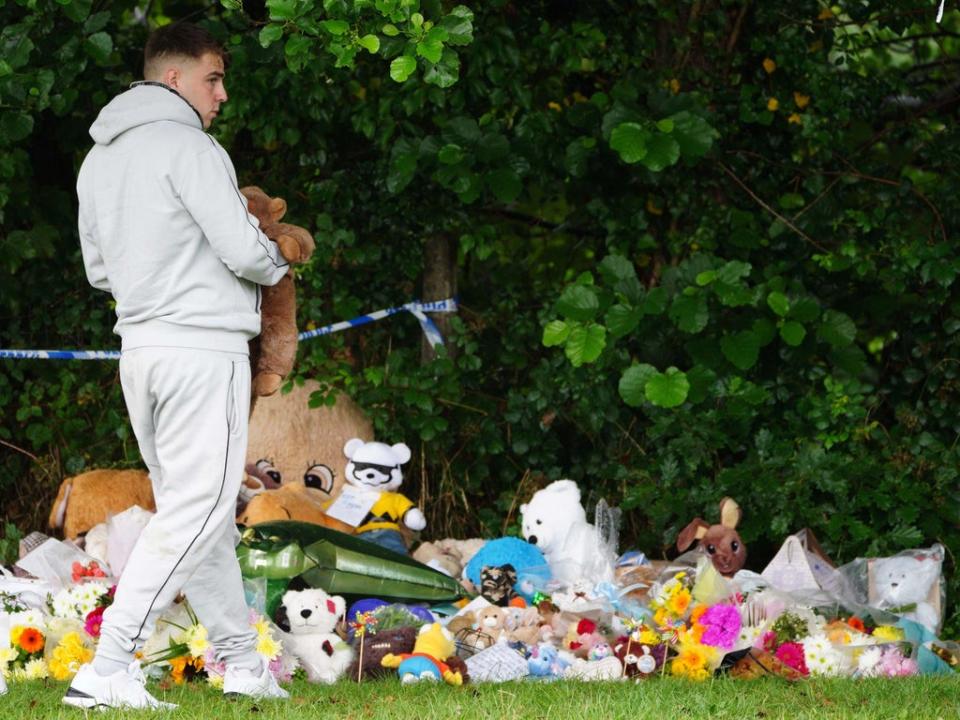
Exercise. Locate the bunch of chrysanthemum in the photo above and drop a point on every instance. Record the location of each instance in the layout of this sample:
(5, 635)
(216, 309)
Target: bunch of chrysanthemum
(69, 654)
(79, 600)
(281, 665)
(23, 660)
(886, 661)
(822, 658)
(693, 659)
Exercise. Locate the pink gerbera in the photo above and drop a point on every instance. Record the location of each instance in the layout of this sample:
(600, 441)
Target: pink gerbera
(93, 622)
(791, 654)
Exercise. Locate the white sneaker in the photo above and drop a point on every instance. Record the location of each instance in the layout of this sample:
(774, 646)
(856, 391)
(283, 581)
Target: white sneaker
(123, 689)
(263, 686)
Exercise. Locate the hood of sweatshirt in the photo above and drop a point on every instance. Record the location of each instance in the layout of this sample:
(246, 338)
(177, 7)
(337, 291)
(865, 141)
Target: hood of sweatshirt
(143, 103)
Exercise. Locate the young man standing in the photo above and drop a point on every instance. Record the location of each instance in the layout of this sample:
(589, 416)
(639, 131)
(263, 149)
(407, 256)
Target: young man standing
(164, 228)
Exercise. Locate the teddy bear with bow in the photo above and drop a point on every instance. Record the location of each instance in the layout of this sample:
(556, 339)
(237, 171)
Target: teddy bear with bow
(272, 354)
(313, 617)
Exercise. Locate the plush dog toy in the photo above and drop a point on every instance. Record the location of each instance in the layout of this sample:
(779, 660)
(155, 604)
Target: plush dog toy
(313, 615)
(430, 659)
(373, 468)
(272, 354)
(721, 543)
(90, 498)
(555, 521)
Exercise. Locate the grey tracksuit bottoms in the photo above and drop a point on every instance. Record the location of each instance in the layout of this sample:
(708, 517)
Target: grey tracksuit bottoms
(189, 411)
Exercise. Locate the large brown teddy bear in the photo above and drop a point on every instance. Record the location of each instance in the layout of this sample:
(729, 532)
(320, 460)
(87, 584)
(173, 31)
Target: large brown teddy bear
(92, 497)
(272, 353)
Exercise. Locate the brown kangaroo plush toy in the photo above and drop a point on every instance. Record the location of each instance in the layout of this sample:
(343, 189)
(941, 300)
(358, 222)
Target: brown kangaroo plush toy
(721, 542)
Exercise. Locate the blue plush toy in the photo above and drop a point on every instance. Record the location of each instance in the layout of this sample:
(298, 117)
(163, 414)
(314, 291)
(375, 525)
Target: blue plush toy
(545, 662)
(533, 572)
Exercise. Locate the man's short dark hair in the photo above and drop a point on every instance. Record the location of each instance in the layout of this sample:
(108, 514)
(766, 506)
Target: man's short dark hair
(180, 39)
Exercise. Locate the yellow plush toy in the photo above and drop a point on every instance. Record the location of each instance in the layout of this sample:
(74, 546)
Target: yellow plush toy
(430, 658)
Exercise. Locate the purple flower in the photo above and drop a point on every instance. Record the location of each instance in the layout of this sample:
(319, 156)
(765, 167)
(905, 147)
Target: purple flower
(722, 623)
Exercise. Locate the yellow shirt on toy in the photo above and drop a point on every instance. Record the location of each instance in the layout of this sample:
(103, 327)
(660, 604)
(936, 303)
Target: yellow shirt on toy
(386, 512)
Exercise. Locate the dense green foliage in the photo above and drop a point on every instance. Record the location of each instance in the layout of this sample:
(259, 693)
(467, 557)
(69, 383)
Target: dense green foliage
(704, 248)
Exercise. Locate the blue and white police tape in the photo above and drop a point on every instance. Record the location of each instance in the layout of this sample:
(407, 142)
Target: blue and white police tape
(417, 309)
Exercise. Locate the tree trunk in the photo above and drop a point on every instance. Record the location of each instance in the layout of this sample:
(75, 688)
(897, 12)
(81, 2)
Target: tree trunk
(439, 283)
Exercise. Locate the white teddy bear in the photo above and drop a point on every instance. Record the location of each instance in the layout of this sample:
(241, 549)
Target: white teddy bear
(373, 472)
(313, 615)
(904, 581)
(555, 521)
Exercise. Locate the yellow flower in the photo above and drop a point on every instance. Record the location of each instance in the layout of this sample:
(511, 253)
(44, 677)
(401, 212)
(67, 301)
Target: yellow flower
(7, 656)
(36, 670)
(888, 632)
(679, 602)
(215, 680)
(769, 65)
(693, 660)
(554, 106)
(825, 14)
(15, 632)
(68, 656)
(196, 639)
(653, 208)
(795, 119)
(773, 104)
(648, 637)
(268, 647)
(800, 99)
(674, 86)
(660, 617)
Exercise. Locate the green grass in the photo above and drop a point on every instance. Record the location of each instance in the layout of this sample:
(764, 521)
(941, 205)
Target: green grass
(665, 699)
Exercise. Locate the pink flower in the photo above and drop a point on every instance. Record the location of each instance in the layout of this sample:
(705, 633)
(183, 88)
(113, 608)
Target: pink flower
(93, 622)
(893, 663)
(767, 641)
(791, 655)
(722, 623)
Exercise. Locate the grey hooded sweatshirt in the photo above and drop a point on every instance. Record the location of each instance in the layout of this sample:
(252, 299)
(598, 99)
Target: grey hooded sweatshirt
(164, 228)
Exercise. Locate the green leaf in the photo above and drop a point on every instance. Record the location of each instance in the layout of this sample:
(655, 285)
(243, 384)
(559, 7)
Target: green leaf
(99, 46)
(459, 25)
(555, 333)
(693, 134)
(269, 35)
(432, 51)
(390, 30)
(616, 267)
(578, 302)
(655, 302)
(689, 312)
(78, 10)
(622, 320)
(741, 348)
(15, 126)
(662, 152)
(805, 310)
(668, 389)
(779, 303)
(444, 73)
(297, 52)
(585, 343)
(706, 277)
(630, 141)
(450, 154)
(665, 125)
(282, 10)
(791, 201)
(837, 329)
(370, 43)
(633, 383)
(792, 332)
(733, 271)
(764, 330)
(402, 67)
(505, 184)
(335, 27)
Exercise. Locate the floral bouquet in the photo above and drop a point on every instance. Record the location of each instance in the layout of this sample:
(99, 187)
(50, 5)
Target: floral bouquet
(23, 660)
